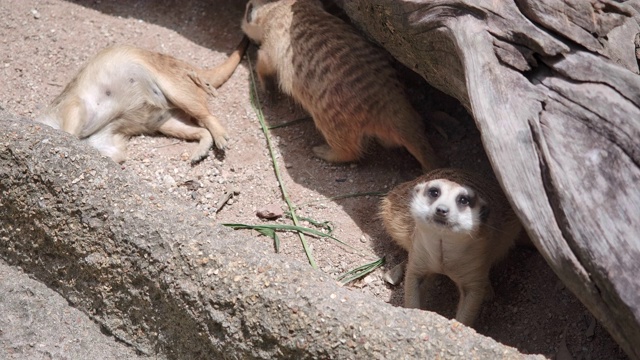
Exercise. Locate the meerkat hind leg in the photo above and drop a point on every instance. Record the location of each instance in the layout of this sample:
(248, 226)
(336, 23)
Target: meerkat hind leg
(180, 129)
(220, 137)
(424, 153)
(193, 101)
(109, 143)
(266, 71)
(340, 147)
(198, 109)
(411, 135)
(73, 117)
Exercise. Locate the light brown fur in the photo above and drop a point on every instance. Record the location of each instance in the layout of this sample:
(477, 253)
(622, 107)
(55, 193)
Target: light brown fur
(345, 83)
(125, 91)
(464, 247)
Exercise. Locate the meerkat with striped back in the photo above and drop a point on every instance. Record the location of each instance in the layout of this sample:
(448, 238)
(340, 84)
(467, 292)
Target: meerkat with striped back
(451, 222)
(346, 83)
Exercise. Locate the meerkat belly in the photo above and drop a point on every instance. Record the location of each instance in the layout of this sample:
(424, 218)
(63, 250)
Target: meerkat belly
(118, 90)
(442, 254)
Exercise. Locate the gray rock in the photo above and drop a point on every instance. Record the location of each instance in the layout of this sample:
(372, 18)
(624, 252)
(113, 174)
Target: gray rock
(38, 323)
(180, 286)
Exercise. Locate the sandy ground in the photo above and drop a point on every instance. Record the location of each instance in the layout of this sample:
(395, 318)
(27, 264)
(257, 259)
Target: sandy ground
(43, 43)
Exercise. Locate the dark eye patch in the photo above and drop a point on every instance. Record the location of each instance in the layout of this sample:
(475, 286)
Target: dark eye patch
(484, 214)
(433, 192)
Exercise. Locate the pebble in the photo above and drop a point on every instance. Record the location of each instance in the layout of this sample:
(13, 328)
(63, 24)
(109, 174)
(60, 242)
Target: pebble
(169, 180)
(270, 212)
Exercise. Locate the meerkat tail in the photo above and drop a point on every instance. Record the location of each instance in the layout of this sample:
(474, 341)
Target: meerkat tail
(218, 75)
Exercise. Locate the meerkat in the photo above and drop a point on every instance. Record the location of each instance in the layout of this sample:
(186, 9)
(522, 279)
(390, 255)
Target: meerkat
(346, 83)
(451, 222)
(125, 91)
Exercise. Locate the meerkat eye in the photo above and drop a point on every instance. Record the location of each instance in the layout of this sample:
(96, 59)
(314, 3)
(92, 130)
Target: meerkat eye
(464, 200)
(434, 192)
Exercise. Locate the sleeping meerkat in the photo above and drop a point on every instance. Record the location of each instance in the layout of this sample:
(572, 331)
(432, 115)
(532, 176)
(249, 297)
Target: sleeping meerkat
(125, 91)
(450, 222)
(345, 83)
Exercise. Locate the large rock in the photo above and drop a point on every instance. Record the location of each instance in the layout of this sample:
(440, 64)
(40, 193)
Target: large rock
(38, 323)
(161, 278)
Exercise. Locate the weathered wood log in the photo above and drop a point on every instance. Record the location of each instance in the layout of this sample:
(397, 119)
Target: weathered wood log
(553, 88)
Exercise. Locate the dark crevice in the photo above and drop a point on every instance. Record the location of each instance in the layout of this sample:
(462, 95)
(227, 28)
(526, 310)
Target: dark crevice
(549, 31)
(554, 197)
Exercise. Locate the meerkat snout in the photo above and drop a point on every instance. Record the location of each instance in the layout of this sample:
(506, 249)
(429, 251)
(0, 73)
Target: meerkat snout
(440, 216)
(442, 211)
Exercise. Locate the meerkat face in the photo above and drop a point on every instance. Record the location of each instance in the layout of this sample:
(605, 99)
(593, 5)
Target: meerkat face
(252, 22)
(443, 204)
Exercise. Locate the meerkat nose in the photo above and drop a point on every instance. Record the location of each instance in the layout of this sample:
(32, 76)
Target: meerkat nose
(442, 210)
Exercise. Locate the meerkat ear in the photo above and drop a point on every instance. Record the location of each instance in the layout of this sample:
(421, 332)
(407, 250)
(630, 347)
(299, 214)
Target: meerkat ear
(248, 13)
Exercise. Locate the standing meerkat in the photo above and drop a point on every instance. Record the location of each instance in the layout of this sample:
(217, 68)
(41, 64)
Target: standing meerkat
(345, 83)
(125, 91)
(451, 222)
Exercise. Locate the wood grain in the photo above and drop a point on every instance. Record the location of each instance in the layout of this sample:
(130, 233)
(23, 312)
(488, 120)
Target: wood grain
(554, 89)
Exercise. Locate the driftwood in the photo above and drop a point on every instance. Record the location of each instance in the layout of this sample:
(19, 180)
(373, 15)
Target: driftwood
(553, 88)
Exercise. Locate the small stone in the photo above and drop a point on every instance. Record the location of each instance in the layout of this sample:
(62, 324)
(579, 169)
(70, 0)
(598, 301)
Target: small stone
(191, 185)
(169, 180)
(233, 190)
(270, 212)
(35, 13)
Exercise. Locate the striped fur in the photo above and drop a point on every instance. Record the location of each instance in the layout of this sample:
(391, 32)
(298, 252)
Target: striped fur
(345, 83)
